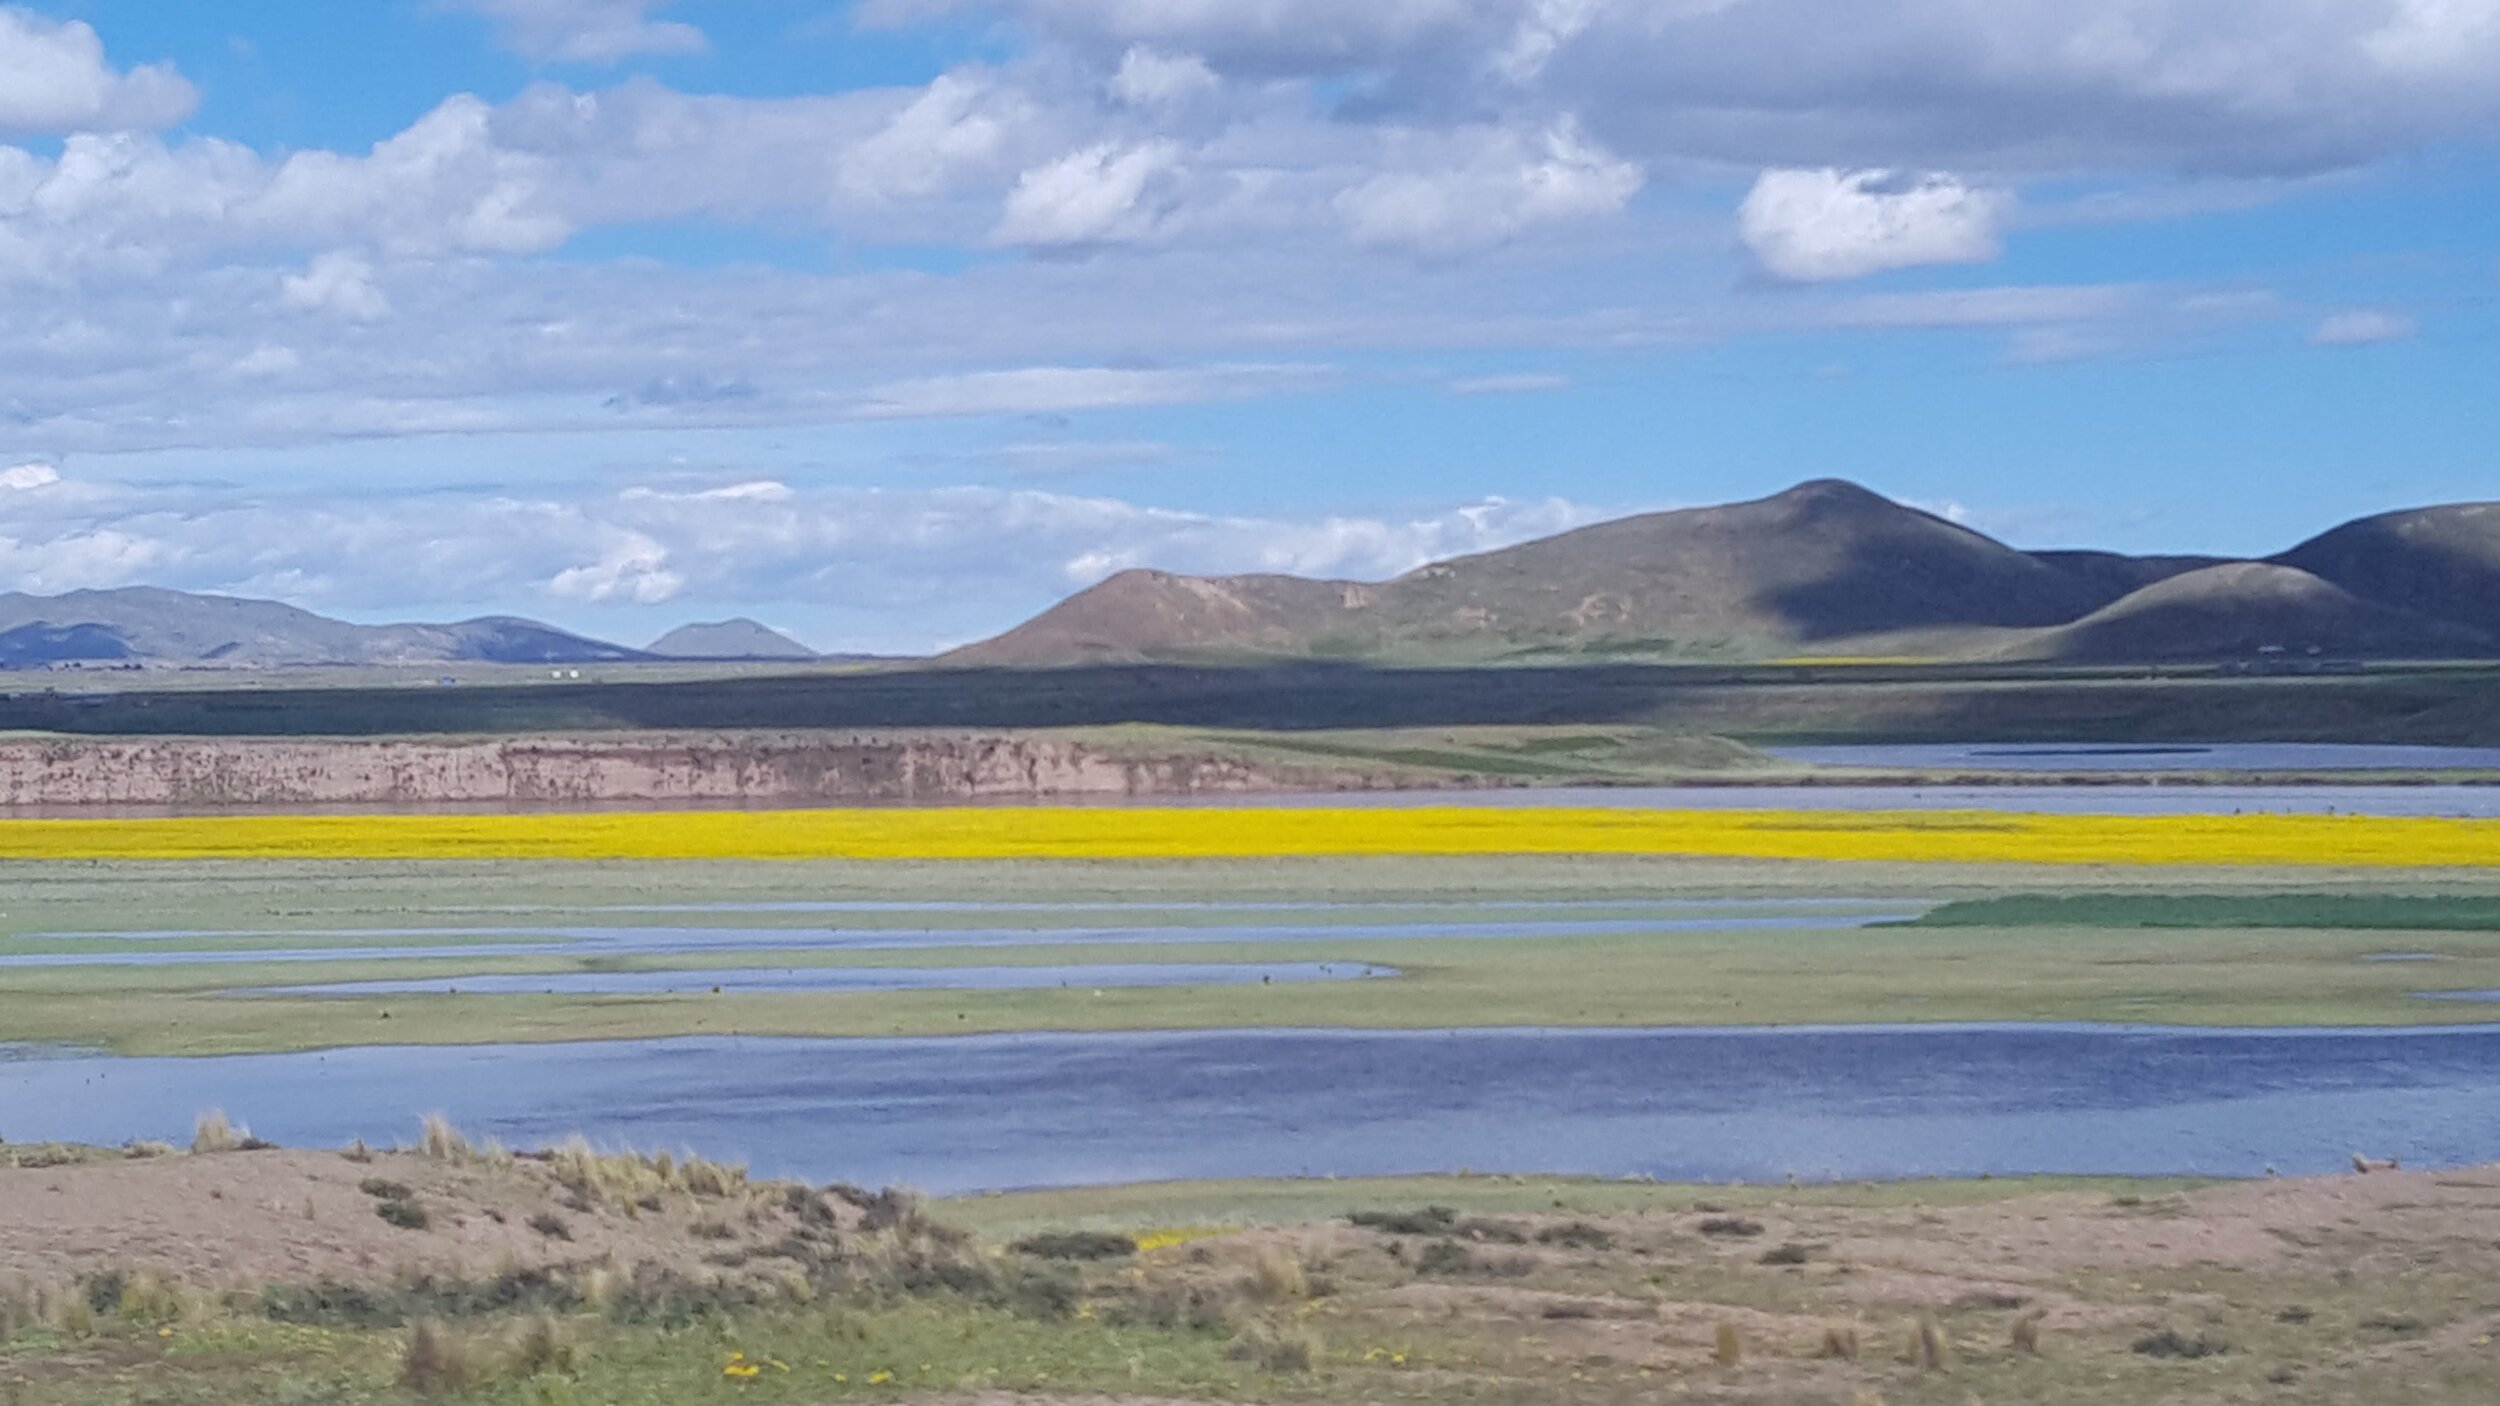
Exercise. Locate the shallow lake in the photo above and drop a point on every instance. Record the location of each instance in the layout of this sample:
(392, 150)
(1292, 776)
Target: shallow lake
(746, 981)
(597, 941)
(1028, 1110)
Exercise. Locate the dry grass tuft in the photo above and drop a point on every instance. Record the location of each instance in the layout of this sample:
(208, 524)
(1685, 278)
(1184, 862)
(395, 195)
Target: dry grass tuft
(1273, 1348)
(2026, 1335)
(443, 1142)
(214, 1132)
(544, 1347)
(1928, 1348)
(1842, 1342)
(1279, 1277)
(435, 1363)
(1728, 1349)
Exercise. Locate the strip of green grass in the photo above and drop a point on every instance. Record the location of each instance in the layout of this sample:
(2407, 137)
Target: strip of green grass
(2371, 912)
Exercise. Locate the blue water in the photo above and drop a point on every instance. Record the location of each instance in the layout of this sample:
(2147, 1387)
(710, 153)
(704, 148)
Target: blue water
(744, 981)
(1036, 1110)
(598, 941)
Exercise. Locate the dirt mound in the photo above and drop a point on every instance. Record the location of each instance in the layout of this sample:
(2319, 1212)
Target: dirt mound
(246, 1220)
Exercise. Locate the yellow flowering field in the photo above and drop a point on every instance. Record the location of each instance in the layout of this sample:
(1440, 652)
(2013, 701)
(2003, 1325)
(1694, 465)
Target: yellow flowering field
(1250, 833)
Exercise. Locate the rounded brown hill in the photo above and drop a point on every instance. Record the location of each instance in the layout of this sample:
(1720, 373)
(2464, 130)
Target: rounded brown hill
(1823, 561)
(2440, 562)
(2249, 610)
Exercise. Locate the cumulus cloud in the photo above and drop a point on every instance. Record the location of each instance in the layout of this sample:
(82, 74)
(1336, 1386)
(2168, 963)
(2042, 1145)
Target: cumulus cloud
(2362, 328)
(1497, 185)
(1104, 194)
(2031, 85)
(585, 31)
(1816, 225)
(1149, 78)
(58, 80)
(338, 283)
(25, 478)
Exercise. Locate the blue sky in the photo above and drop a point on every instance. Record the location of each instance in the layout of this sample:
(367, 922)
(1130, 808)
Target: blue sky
(889, 323)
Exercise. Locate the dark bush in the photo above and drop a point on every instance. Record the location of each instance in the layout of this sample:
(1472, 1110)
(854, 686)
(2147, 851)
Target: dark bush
(1431, 1220)
(1076, 1245)
(407, 1215)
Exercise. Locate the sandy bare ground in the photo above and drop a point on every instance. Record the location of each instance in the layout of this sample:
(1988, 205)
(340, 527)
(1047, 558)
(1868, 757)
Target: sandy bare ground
(247, 1220)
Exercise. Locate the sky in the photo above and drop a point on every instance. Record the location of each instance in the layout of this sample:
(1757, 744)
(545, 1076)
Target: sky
(889, 323)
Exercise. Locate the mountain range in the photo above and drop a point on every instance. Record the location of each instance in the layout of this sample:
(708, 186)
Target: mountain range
(144, 625)
(1827, 569)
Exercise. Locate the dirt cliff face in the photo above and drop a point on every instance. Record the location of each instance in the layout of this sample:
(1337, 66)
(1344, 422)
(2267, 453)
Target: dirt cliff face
(792, 768)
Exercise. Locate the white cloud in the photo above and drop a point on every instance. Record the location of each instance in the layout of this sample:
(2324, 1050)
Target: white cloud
(1515, 383)
(1500, 185)
(1104, 194)
(25, 478)
(2363, 328)
(1148, 78)
(338, 283)
(1817, 225)
(1058, 389)
(268, 362)
(631, 567)
(585, 31)
(58, 80)
(959, 126)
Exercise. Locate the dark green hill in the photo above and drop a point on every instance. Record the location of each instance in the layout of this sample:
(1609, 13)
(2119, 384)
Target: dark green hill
(2441, 562)
(2247, 611)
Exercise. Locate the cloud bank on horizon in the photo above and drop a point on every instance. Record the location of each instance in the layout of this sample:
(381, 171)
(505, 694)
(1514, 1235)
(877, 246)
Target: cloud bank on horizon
(893, 320)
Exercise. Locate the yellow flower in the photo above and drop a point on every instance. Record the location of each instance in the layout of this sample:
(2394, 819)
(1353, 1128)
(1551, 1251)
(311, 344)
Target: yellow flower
(741, 1370)
(880, 1378)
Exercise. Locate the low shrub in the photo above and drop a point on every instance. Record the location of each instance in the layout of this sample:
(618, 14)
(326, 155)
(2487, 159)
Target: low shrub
(1431, 1220)
(405, 1214)
(1576, 1235)
(2170, 1344)
(1076, 1245)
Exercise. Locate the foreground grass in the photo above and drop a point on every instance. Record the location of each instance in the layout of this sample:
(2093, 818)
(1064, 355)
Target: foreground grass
(1500, 1291)
(1120, 833)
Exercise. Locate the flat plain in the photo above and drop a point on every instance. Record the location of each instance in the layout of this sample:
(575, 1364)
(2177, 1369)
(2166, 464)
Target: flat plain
(453, 1270)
